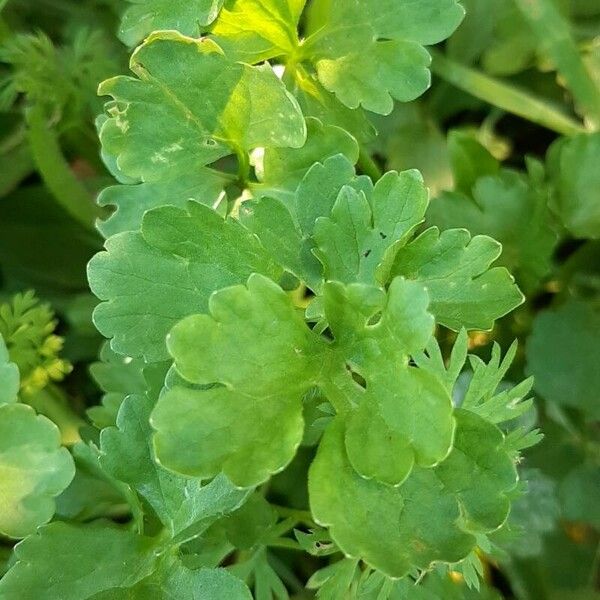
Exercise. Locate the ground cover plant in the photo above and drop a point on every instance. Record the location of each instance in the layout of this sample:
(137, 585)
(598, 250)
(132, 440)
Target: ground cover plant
(299, 299)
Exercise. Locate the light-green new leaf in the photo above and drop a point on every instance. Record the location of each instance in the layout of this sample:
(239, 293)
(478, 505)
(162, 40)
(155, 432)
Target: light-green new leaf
(151, 280)
(455, 269)
(34, 469)
(257, 30)
(437, 509)
(255, 344)
(186, 16)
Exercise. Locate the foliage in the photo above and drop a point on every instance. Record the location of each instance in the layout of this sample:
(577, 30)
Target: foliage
(350, 312)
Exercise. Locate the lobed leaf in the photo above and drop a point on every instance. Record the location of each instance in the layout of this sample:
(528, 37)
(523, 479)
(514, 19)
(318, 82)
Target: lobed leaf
(151, 280)
(455, 268)
(34, 469)
(187, 17)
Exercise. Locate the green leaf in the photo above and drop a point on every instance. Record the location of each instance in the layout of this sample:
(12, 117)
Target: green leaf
(410, 138)
(372, 328)
(250, 524)
(533, 515)
(335, 580)
(34, 469)
(179, 502)
(368, 53)
(470, 160)
(180, 582)
(511, 208)
(259, 333)
(455, 268)
(256, 345)
(407, 416)
(403, 412)
(117, 376)
(318, 191)
(150, 281)
(316, 101)
(9, 376)
(130, 202)
(562, 353)
(436, 509)
(358, 241)
(285, 226)
(272, 222)
(573, 169)
(160, 128)
(479, 472)
(580, 495)
(187, 17)
(73, 562)
(376, 74)
(286, 167)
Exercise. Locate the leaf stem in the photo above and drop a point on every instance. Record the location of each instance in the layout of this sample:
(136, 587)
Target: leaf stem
(504, 96)
(554, 35)
(67, 190)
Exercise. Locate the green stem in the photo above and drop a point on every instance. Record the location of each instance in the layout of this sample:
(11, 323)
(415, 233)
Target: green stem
(67, 190)
(243, 167)
(368, 166)
(504, 96)
(556, 42)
